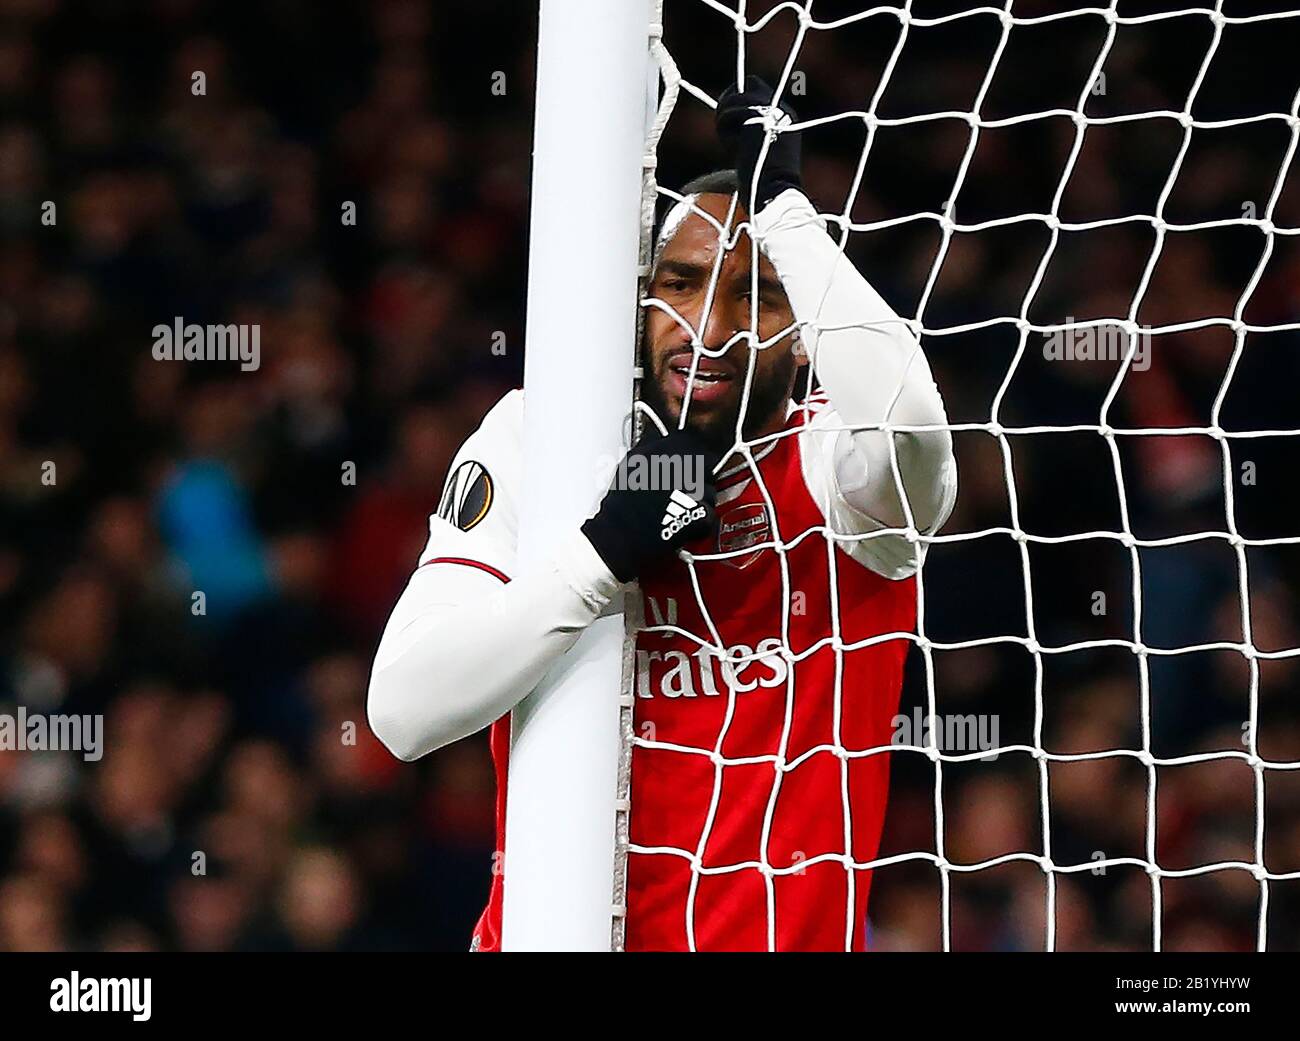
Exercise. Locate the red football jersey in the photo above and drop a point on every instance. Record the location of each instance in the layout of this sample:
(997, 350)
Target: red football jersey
(748, 808)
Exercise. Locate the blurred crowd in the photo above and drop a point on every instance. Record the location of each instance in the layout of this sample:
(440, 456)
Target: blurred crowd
(294, 497)
(242, 803)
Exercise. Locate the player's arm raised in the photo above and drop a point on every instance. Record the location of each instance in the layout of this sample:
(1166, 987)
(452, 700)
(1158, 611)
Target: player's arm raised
(470, 637)
(870, 365)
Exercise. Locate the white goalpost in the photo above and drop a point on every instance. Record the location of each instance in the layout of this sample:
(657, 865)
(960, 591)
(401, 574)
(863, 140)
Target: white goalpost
(601, 64)
(585, 227)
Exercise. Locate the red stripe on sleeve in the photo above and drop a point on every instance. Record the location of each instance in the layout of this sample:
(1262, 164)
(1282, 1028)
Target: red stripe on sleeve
(467, 562)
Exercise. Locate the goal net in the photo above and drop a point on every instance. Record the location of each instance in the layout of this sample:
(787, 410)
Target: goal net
(1087, 216)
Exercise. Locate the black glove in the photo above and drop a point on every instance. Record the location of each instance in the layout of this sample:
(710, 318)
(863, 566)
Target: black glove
(742, 142)
(648, 512)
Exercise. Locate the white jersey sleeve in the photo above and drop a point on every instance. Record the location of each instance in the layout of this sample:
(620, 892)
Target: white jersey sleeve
(477, 517)
(872, 370)
(471, 635)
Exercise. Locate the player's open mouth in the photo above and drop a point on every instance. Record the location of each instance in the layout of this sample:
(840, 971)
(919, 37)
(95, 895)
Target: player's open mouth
(711, 383)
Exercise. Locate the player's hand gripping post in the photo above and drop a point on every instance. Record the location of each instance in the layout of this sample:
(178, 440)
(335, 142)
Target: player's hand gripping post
(654, 507)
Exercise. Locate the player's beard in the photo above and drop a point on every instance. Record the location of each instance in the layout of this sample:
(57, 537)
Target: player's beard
(768, 399)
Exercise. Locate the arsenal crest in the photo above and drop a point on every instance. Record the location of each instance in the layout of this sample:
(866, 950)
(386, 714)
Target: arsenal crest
(742, 526)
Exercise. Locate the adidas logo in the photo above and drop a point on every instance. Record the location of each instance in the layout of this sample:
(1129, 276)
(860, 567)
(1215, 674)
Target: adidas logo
(682, 510)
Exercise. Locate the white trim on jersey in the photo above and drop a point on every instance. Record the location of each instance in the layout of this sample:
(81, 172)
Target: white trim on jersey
(759, 454)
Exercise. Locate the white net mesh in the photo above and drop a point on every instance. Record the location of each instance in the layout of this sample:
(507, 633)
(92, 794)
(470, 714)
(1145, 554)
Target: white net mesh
(797, 27)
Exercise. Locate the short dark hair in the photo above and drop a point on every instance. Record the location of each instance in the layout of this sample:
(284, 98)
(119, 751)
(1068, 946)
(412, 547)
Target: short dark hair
(721, 182)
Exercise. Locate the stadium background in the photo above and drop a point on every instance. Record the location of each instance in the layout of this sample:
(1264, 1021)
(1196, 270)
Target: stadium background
(223, 731)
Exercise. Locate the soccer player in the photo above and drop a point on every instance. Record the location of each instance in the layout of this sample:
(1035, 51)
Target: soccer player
(759, 852)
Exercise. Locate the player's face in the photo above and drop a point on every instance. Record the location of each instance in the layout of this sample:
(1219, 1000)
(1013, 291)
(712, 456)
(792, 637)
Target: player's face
(712, 400)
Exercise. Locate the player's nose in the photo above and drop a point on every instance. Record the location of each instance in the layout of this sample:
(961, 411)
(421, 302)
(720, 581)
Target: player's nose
(721, 324)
